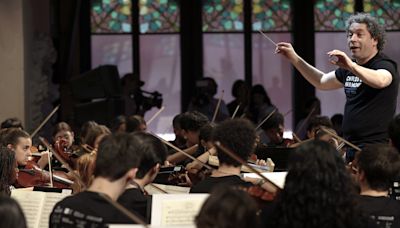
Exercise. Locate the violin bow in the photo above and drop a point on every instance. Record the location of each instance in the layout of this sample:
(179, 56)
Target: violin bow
(303, 124)
(181, 151)
(235, 112)
(44, 121)
(296, 138)
(340, 138)
(217, 107)
(50, 170)
(155, 115)
(60, 159)
(243, 162)
(265, 119)
(158, 188)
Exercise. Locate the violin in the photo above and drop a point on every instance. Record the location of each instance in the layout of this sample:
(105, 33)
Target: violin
(260, 193)
(31, 175)
(60, 148)
(174, 175)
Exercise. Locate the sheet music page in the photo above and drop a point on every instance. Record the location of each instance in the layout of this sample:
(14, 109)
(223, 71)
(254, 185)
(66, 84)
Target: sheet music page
(37, 206)
(277, 178)
(50, 200)
(31, 204)
(176, 209)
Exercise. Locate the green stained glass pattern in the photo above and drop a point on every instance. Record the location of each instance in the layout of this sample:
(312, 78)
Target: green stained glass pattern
(387, 12)
(222, 15)
(271, 15)
(159, 16)
(111, 16)
(331, 15)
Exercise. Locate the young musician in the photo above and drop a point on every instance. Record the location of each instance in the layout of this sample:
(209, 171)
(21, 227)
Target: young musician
(179, 141)
(154, 154)
(315, 124)
(377, 166)
(117, 163)
(135, 123)
(273, 129)
(370, 80)
(20, 142)
(62, 131)
(191, 123)
(238, 136)
(228, 207)
(394, 134)
(318, 191)
(7, 170)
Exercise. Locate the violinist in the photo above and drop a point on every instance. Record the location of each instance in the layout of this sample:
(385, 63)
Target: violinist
(135, 123)
(20, 142)
(84, 169)
(239, 136)
(63, 138)
(94, 135)
(315, 124)
(191, 122)
(318, 192)
(179, 140)
(8, 166)
(274, 128)
(91, 207)
(206, 146)
(154, 154)
(377, 167)
(62, 131)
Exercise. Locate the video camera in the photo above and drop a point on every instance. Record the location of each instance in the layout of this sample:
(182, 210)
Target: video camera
(146, 100)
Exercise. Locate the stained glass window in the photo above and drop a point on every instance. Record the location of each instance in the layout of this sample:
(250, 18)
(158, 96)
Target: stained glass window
(387, 12)
(271, 15)
(111, 16)
(222, 15)
(331, 15)
(159, 16)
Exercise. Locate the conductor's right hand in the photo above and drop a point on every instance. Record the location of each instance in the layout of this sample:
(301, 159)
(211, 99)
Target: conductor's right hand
(287, 50)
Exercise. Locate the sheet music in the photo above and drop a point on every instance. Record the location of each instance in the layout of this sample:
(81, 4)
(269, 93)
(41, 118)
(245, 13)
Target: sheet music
(277, 178)
(30, 203)
(50, 200)
(37, 206)
(180, 212)
(175, 209)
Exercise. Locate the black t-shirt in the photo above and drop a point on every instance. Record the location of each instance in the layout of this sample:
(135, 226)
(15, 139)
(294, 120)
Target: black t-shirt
(208, 184)
(134, 200)
(394, 192)
(384, 211)
(86, 209)
(368, 111)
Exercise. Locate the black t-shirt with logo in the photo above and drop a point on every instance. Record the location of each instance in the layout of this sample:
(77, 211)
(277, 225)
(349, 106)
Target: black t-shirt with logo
(86, 209)
(383, 210)
(368, 111)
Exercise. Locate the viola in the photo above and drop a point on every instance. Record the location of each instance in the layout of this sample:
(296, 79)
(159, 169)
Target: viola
(31, 175)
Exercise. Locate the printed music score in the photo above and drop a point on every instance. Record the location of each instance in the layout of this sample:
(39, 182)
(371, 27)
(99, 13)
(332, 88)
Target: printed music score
(176, 209)
(37, 206)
